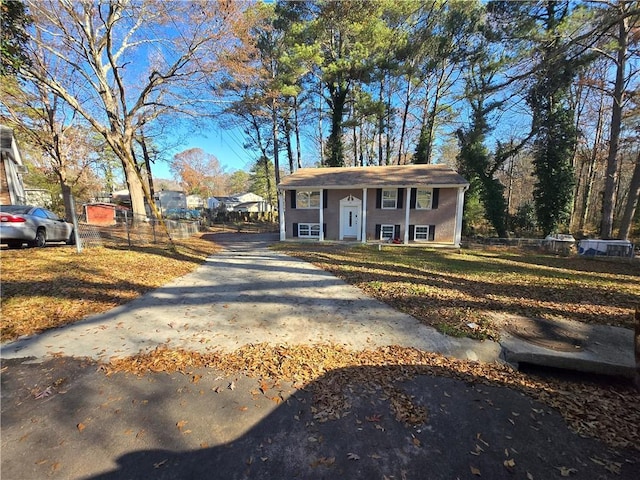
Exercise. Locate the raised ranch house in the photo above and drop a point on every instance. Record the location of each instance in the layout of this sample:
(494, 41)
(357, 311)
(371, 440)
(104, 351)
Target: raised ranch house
(400, 204)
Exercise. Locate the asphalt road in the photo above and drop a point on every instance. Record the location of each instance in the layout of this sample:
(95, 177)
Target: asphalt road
(193, 425)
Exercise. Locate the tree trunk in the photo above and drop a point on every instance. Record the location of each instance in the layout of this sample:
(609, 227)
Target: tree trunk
(136, 192)
(611, 175)
(297, 129)
(591, 169)
(361, 144)
(147, 164)
(354, 134)
(405, 114)
(431, 119)
(335, 147)
(636, 343)
(287, 136)
(320, 135)
(276, 147)
(632, 202)
(66, 198)
(387, 159)
(381, 126)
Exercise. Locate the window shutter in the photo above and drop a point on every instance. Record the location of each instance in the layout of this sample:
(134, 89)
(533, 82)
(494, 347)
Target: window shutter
(325, 198)
(414, 196)
(379, 200)
(295, 229)
(400, 197)
(396, 231)
(434, 198)
(293, 204)
(432, 232)
(412, 232)
(378, 228)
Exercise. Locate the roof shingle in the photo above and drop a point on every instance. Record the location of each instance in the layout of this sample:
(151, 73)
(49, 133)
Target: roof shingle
(377, 177)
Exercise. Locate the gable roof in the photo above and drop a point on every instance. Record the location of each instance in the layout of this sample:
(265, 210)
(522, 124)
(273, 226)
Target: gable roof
(372, 177)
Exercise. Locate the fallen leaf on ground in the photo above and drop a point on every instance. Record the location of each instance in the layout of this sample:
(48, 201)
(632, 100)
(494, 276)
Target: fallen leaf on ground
(45, 393)
(566, 471)
(353, 456)
(81, 426)
(475, 471)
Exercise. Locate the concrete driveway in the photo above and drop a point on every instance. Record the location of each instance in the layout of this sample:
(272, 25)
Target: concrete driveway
(64, 419)
(246, 294)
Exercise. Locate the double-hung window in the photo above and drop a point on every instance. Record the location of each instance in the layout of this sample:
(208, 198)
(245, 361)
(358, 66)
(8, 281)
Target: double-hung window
(308, 199)
(309, 230)
(424, 198)
(421, 232)
(386, 232)
(390, 198)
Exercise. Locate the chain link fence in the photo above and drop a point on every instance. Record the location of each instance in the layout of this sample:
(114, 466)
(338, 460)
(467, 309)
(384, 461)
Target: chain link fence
(128, 230)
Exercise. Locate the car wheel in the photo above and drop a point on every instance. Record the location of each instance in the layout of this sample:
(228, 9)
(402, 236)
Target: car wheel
(41, 239)
(72, 238)
(14, 244)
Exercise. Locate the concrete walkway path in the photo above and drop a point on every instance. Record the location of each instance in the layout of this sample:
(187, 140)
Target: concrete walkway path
(246, 294)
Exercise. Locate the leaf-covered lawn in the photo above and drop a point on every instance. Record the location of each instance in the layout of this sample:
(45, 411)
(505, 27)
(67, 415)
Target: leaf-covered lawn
(45, 288)
(451, 289)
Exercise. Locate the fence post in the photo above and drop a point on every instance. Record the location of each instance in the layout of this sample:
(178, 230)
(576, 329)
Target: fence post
(153, 229)
(126, 223)
(76, 232)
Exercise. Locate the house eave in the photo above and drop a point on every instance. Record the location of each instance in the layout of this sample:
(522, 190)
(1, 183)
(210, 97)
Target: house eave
(360, 187)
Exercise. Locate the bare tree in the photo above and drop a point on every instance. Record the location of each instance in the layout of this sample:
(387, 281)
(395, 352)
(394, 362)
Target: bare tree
(127, 64)
(68, 151)
(624, 73)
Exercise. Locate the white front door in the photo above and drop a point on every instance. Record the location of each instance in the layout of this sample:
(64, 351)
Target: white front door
(350, 221)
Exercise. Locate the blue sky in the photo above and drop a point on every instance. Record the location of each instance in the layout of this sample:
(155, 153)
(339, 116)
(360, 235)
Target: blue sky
(224, 144)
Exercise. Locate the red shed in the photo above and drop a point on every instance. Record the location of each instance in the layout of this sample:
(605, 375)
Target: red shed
(102, 213)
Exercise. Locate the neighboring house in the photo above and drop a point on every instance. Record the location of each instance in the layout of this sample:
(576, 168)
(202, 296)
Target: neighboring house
(195, 202)
(399, 204)
(213, 203)
(11, 169)
(170, 200)
(104, 214)
(245, 202)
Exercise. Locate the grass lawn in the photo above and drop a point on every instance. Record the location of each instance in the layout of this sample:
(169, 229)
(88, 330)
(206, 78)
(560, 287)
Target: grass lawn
(45, 288)
(450, 289)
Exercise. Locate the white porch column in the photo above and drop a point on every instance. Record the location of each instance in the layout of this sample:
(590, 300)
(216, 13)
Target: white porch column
(281, 215)
(407, 209)
(363, 216)
(459, 211)
(321, 215)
